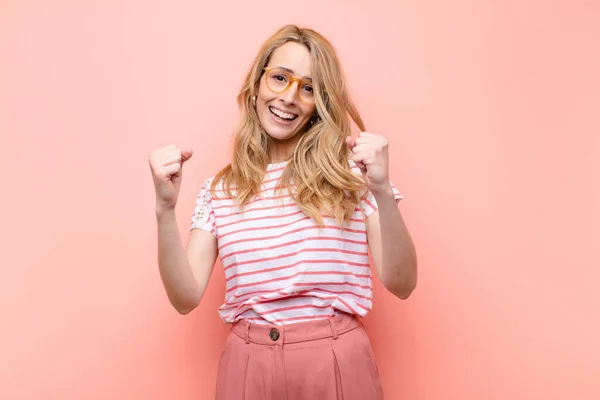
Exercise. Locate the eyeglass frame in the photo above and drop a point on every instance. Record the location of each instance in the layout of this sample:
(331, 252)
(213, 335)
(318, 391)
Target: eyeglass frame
(290, 83)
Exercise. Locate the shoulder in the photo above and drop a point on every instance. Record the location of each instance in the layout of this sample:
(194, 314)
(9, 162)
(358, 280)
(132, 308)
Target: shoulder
(210, 182)
(205, 188)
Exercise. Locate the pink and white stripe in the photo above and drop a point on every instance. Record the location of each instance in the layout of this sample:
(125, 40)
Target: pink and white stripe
(280, 268)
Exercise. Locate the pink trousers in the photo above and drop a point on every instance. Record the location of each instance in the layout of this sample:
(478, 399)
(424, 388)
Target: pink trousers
(326, 359)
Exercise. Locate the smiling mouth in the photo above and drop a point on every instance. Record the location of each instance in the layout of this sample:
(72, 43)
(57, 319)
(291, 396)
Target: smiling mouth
(285, 116)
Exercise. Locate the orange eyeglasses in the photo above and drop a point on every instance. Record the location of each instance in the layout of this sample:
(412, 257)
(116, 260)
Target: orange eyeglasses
(279, 80)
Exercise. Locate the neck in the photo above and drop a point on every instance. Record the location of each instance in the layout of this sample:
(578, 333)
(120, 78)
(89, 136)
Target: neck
(282, 150)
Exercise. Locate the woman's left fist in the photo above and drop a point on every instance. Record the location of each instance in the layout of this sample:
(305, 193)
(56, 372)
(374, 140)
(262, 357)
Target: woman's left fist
(370, 153)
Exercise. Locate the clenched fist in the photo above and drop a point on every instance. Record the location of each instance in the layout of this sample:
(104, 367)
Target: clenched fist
(166, 165)
(370, 153)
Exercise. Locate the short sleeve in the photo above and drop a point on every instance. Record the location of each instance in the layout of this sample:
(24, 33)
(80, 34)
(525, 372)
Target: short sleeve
(204, 216)
(370, 204)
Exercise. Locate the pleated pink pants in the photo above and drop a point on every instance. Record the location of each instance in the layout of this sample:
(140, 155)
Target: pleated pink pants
(327, 359)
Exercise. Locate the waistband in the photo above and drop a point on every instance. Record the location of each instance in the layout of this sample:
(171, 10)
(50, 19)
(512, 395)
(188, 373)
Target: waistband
(274, 335)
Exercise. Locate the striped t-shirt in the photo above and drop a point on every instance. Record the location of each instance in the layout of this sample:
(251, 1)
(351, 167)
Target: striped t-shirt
(280, 267)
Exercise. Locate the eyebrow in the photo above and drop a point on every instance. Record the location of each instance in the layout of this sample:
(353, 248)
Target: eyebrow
(308, 78)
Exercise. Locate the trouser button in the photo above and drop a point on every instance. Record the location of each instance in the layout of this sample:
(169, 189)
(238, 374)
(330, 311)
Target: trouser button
(274, 334)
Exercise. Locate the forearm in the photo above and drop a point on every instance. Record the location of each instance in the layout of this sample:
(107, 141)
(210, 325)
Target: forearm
(176, 273)
(399, 259)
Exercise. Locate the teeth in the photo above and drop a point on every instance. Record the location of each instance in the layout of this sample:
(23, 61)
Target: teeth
(282, 114)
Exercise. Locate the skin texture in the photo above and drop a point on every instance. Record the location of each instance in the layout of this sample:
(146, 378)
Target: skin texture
(296, 58)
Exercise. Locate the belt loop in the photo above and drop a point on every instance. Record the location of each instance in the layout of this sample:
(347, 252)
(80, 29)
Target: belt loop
(247, 332)
(333, 330)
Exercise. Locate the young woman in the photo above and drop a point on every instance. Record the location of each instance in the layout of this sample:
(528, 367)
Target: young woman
(292, 218)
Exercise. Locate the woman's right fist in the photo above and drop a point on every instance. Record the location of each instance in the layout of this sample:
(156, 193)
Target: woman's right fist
(166, 165)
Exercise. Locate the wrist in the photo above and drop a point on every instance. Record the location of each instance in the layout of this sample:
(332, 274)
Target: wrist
(163, 212)
(382, 191)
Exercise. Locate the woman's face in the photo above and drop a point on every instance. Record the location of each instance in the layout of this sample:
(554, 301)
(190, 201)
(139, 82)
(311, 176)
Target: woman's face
(282, 115)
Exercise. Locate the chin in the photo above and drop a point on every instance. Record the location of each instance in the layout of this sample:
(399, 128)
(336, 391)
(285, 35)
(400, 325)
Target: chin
(279, 128)
(280, 135)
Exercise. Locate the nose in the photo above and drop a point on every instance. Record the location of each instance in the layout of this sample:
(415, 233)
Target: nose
(290, 96)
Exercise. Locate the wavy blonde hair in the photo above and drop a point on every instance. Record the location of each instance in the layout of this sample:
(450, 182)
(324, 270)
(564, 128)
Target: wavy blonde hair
(319, 167)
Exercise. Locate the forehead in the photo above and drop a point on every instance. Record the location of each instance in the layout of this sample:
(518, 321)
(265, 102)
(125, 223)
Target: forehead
(294, 56)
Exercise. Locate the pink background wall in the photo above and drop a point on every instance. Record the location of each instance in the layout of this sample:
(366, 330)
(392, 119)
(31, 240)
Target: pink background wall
(492, 110)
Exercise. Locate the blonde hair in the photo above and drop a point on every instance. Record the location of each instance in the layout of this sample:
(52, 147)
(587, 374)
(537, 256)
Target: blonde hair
(319, 167)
